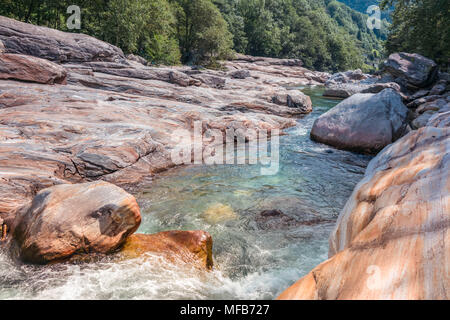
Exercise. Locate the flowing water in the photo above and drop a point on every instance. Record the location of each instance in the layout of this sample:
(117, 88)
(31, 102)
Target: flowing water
(255, 258)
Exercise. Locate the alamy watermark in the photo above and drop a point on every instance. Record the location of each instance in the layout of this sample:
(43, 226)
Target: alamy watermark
(74, 21)
(209, 146)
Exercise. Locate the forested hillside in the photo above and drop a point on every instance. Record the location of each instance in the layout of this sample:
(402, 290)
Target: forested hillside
(362, 5)
(421, 26)
(325, 34)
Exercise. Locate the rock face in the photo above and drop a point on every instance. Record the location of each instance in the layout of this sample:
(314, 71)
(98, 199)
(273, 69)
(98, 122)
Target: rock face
(392, 240)
(54, 45)
(27, 68)
(65, 220)
(115, 119)
(193, 247)
(364, 122)
(415, 69)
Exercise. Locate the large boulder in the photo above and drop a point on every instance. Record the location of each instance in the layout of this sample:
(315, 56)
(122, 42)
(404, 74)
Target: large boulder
(67, 219)
(415, 69)
(392, 239)
(28, 68)
(363, 123)
(193, 247)
(54, 45)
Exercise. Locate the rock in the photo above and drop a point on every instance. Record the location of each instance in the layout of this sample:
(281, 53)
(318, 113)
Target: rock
(440, 119)
(54, 45)
(364, 122)
(66, 220)
(239, 74)
(392, 239)
(181, 79)
(349, 89)
(439, 88)
(294, 99)
(378, 87)
(277, 219)
(422, 120)
(218, 213)
(416, 103)
(417, 70)
(419, 94)
(211, 80)
(433, 106)
(193, 247)
(137, 59)
(351, 76)
(27, 68)
(341, 91)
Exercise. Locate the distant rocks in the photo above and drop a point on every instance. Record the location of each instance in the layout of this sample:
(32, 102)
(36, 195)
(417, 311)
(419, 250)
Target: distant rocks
(294, 99)
(192, 247)
(351, 76)
(137, 59)
(23, 38)
(364, 122)
(240, 74)
(66, 220)
(415, 69)
(27, 68)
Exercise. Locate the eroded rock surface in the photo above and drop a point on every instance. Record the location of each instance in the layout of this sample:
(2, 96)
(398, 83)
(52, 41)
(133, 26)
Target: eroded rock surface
(27, 68)
(70, 219)
(392, 240)
(115, 119)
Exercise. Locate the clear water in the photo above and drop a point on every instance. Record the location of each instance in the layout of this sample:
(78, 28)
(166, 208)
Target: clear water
(253, 259)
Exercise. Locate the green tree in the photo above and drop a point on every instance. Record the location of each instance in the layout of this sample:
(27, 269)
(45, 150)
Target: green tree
(421, 26)
(202, 31)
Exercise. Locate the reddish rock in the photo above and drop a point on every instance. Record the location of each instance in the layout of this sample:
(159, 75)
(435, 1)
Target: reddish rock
(28, 68)
(194, 247)
(392, 240)
(66, 220)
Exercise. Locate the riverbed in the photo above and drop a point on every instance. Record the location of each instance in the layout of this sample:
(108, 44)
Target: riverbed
(255, 257)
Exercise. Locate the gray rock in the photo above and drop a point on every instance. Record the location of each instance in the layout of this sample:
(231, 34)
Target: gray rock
(439, 88)
(363, 123)
(415, 69)
(422, 120)
(240, 74)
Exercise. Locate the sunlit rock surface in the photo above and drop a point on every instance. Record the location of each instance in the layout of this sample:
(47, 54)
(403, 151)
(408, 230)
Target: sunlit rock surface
(70, 219)
(392, 240)
(28, 68)
(115, 119)
(192, 247)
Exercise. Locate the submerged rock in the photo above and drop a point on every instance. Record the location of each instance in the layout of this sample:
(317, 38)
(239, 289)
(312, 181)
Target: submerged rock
(413, 68)
(66, 220)
(218, 213)
(193, 247)
(364, 122)
(27, 68)
(391, 239)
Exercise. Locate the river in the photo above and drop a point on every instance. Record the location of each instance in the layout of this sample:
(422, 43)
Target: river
(255, 258)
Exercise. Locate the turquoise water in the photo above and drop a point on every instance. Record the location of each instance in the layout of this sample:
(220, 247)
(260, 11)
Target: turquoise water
(255, 257)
